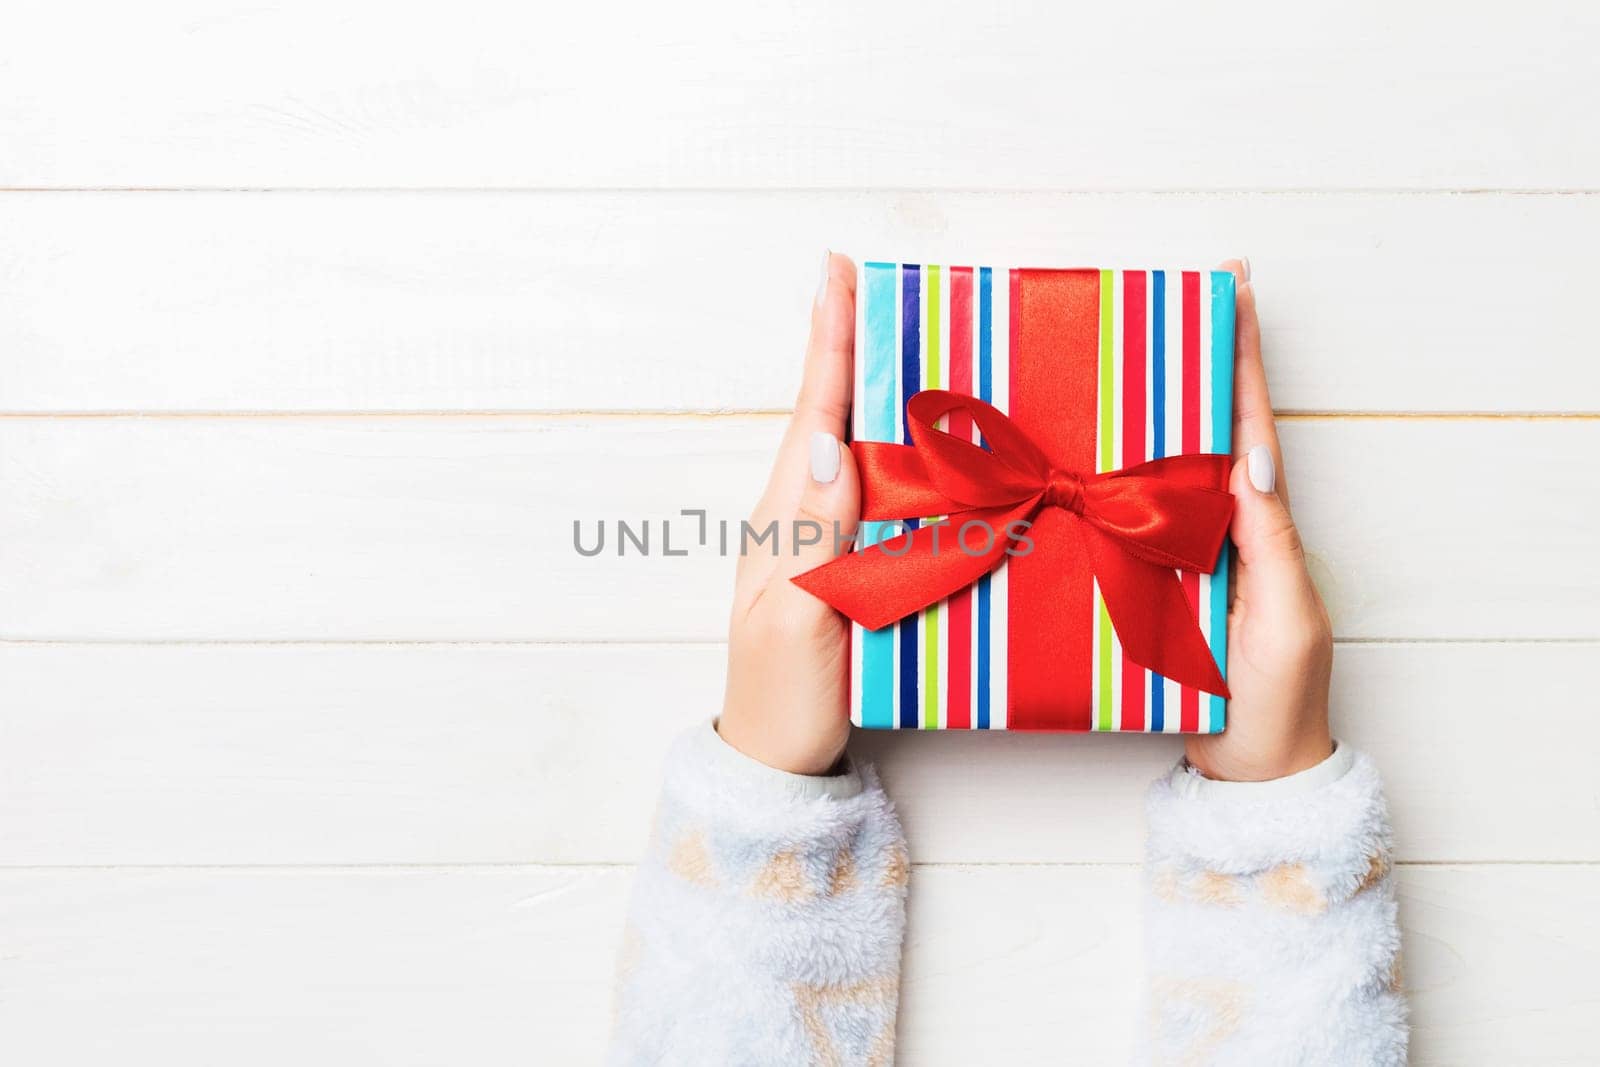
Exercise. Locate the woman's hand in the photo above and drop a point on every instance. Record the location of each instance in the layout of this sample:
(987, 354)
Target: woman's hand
(787, 700)
(1280, 643)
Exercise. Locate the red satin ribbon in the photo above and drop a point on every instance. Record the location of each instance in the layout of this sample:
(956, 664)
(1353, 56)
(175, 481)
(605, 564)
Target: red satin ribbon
(1136, 527)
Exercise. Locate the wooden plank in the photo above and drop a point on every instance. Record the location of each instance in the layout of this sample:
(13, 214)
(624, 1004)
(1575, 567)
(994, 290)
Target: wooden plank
(500, 301)
(297, 754)
(500, 965)
(378, 966)
(720, 94)
(425, 528)
(1434, 717)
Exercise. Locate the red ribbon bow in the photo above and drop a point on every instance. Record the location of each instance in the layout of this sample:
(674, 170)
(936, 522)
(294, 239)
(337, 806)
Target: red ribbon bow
(1136, 526)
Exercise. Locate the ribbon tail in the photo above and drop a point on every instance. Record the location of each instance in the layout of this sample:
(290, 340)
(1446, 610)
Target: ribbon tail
(882, 583)
(1153, 618)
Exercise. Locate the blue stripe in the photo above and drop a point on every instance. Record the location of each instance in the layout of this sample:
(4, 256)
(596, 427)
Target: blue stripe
(1158, 446)
(985, 392)
(877, 646)
(1221, 441)
(910, 382)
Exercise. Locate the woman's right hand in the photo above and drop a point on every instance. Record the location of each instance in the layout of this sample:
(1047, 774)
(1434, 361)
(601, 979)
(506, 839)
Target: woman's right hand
(1280, 642)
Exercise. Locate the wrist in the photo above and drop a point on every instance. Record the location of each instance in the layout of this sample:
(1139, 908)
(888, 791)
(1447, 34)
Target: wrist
(1187, 781)
(777, 749)
(1228, 763)
(730, 772)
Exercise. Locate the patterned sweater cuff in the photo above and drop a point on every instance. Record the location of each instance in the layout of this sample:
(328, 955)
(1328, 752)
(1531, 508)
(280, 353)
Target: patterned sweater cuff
(1271, 930)
(750, 820)
(1329, 821)
(767, 917)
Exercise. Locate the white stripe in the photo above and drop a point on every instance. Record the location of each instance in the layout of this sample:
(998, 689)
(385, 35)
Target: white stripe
(972, 660)
(1208, 438)
(856, 630)
(1171, 709)
(1149, 362)
(1174, 361)
(998, 690)
(1000, 342)
(1119, 309)
(1119, 306)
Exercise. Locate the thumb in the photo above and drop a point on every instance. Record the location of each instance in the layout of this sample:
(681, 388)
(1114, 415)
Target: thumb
(830, 506)
(1262, 530)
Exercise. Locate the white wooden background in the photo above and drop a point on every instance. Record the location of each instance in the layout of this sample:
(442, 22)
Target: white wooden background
(319, 323)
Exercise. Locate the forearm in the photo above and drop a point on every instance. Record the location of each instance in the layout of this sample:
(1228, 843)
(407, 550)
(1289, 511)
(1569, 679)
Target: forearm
(767, 917)
(1271, 929)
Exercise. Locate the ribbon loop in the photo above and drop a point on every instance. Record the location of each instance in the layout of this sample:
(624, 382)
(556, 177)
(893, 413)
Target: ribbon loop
(1142, 523)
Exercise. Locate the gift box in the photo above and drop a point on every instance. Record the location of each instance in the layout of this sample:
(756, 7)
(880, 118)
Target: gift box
(1091, 380)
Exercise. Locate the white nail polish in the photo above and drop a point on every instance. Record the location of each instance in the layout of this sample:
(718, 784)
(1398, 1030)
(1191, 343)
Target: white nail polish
(822, 276)
(824, 457)
(1246, 263)
(1258, 464)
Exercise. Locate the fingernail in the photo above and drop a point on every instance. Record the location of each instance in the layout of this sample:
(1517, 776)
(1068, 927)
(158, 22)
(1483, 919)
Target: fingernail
(1246, 262)
(824, 457)
(822, 276)
(1258, 464)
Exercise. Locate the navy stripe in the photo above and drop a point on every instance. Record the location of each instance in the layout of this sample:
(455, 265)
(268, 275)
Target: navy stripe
(910, 382)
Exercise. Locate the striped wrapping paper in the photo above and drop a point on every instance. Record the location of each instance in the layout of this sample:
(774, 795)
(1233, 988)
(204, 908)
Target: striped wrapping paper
(1164, 353)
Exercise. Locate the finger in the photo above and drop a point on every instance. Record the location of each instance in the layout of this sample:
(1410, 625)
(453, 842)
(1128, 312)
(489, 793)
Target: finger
(823, 405)
(1271, 558)
(829, 374)
(1253, 422)
(825, 520)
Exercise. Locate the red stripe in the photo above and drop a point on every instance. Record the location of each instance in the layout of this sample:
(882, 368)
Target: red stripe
(1055, 357)
(959, 615)
(1189, 698)
(1133, 431)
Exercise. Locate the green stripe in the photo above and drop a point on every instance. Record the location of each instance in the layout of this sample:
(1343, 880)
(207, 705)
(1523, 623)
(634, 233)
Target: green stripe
(930, 615)
(1108, 413)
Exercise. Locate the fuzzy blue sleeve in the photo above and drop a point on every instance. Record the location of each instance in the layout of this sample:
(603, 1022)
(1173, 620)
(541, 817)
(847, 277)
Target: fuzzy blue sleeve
(766, 920)
(1271, 928)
